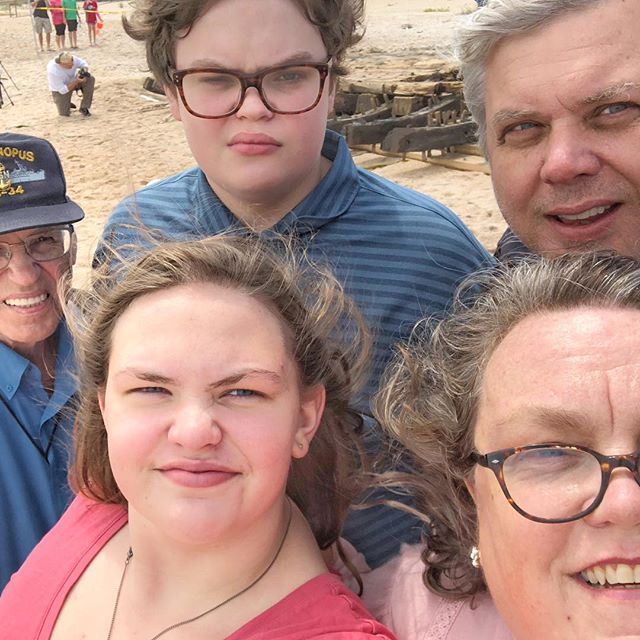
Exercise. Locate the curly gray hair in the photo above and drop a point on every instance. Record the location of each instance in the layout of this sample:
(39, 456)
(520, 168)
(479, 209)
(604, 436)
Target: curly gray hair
(429, 399)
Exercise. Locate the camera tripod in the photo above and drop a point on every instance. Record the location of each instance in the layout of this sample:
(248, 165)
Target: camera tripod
(3, 89)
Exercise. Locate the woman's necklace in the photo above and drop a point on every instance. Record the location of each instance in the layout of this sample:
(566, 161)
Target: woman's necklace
(208, 611)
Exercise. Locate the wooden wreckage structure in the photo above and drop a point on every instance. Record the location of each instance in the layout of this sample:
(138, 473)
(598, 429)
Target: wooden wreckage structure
(421, 117)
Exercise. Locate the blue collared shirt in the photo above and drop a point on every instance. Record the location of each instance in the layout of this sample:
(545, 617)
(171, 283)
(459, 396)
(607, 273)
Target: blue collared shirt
(34, 490)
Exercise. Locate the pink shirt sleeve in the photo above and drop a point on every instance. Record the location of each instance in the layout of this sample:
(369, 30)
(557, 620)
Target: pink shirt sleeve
(395, 594)
(31, 602)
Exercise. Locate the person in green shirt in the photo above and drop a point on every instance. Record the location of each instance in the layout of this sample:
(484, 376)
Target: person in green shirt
(71, 16)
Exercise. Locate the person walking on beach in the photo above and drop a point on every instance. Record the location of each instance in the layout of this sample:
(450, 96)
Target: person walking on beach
(42, 23)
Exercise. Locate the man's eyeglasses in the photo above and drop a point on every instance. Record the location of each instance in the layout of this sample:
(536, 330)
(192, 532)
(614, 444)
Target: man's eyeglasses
(49, 244)
(555, 482)
(218, 93)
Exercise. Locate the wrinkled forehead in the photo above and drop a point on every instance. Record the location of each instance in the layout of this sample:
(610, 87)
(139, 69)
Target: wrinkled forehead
(558, 370)
(572, 57)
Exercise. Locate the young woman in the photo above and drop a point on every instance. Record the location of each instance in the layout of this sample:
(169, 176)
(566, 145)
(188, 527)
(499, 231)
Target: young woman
(214, 458)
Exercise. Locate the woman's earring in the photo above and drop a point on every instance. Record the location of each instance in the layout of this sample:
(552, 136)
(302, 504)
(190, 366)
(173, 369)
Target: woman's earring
(475, 557)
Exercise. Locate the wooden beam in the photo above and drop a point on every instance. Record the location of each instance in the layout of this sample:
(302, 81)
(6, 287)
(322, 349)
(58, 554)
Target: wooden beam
(339, 124)
(428, 138)
(404, 88)
(449, 160)
(374, 132)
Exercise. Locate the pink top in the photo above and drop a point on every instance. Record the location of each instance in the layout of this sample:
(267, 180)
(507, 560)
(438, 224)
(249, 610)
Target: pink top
(396, 595)
(321, 609)
(57, 15)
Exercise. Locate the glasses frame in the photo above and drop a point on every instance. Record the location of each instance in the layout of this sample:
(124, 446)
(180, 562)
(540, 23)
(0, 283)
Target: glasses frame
(608, 464)
(251, 80)
(66, 227)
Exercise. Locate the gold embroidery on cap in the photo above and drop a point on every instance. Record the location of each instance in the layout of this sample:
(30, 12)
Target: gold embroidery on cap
(6, 186)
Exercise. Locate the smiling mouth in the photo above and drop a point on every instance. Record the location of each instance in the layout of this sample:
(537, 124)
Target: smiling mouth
(25, 303)
(586, 217)
(609, 576)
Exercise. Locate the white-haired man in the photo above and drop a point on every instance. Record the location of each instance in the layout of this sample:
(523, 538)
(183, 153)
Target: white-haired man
(554, 86)
(65, 74)
(37, 251)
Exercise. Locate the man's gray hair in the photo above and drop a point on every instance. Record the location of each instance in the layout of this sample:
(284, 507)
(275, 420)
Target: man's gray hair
(484, 29)
(64, 57)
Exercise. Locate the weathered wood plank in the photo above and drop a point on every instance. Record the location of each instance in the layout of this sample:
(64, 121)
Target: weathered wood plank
(345, 103)
(374, 132)
(469, 150)
(406, 105)
(338, 124)
(428, 138)
(404, 88)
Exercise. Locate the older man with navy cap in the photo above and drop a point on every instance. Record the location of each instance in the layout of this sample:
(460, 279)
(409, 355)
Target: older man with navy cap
(37, 251)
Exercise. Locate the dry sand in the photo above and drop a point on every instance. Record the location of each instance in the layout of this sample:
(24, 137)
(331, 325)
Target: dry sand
(132, 139)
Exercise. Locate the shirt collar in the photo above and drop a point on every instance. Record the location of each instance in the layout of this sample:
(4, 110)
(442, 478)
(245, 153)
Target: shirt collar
(65, 383)
(329, 200)
(14, 366)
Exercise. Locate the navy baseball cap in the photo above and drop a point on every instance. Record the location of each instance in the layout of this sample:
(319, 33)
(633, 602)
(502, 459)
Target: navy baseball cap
(33, 191)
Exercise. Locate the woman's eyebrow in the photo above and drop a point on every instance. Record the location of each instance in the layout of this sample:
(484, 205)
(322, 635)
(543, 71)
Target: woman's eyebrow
(234, 378)
(555, 422)
(148, 376)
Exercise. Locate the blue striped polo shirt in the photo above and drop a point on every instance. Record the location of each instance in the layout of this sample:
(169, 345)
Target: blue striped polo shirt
(399, 254)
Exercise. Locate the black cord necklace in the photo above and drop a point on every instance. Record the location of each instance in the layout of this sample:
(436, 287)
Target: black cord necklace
(175, 625)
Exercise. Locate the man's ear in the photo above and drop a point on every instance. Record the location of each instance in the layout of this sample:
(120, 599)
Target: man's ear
(311, 410)
(174, 101)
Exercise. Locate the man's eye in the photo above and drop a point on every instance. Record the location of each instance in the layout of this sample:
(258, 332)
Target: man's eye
(521, 126)
(43, 240)
(618, 107)
(521, 131)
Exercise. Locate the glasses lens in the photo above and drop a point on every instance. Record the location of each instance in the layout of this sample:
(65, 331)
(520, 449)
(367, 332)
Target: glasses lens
(292, 88)
(5, 255)
(48, 245)
(209, 93)
(553, 482)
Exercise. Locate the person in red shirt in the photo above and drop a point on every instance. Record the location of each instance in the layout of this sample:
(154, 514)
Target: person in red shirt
(59, 22)
(216, 455)
(91, 17)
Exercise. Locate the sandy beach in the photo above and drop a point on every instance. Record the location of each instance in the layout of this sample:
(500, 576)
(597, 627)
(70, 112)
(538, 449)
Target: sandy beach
(131, 139)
